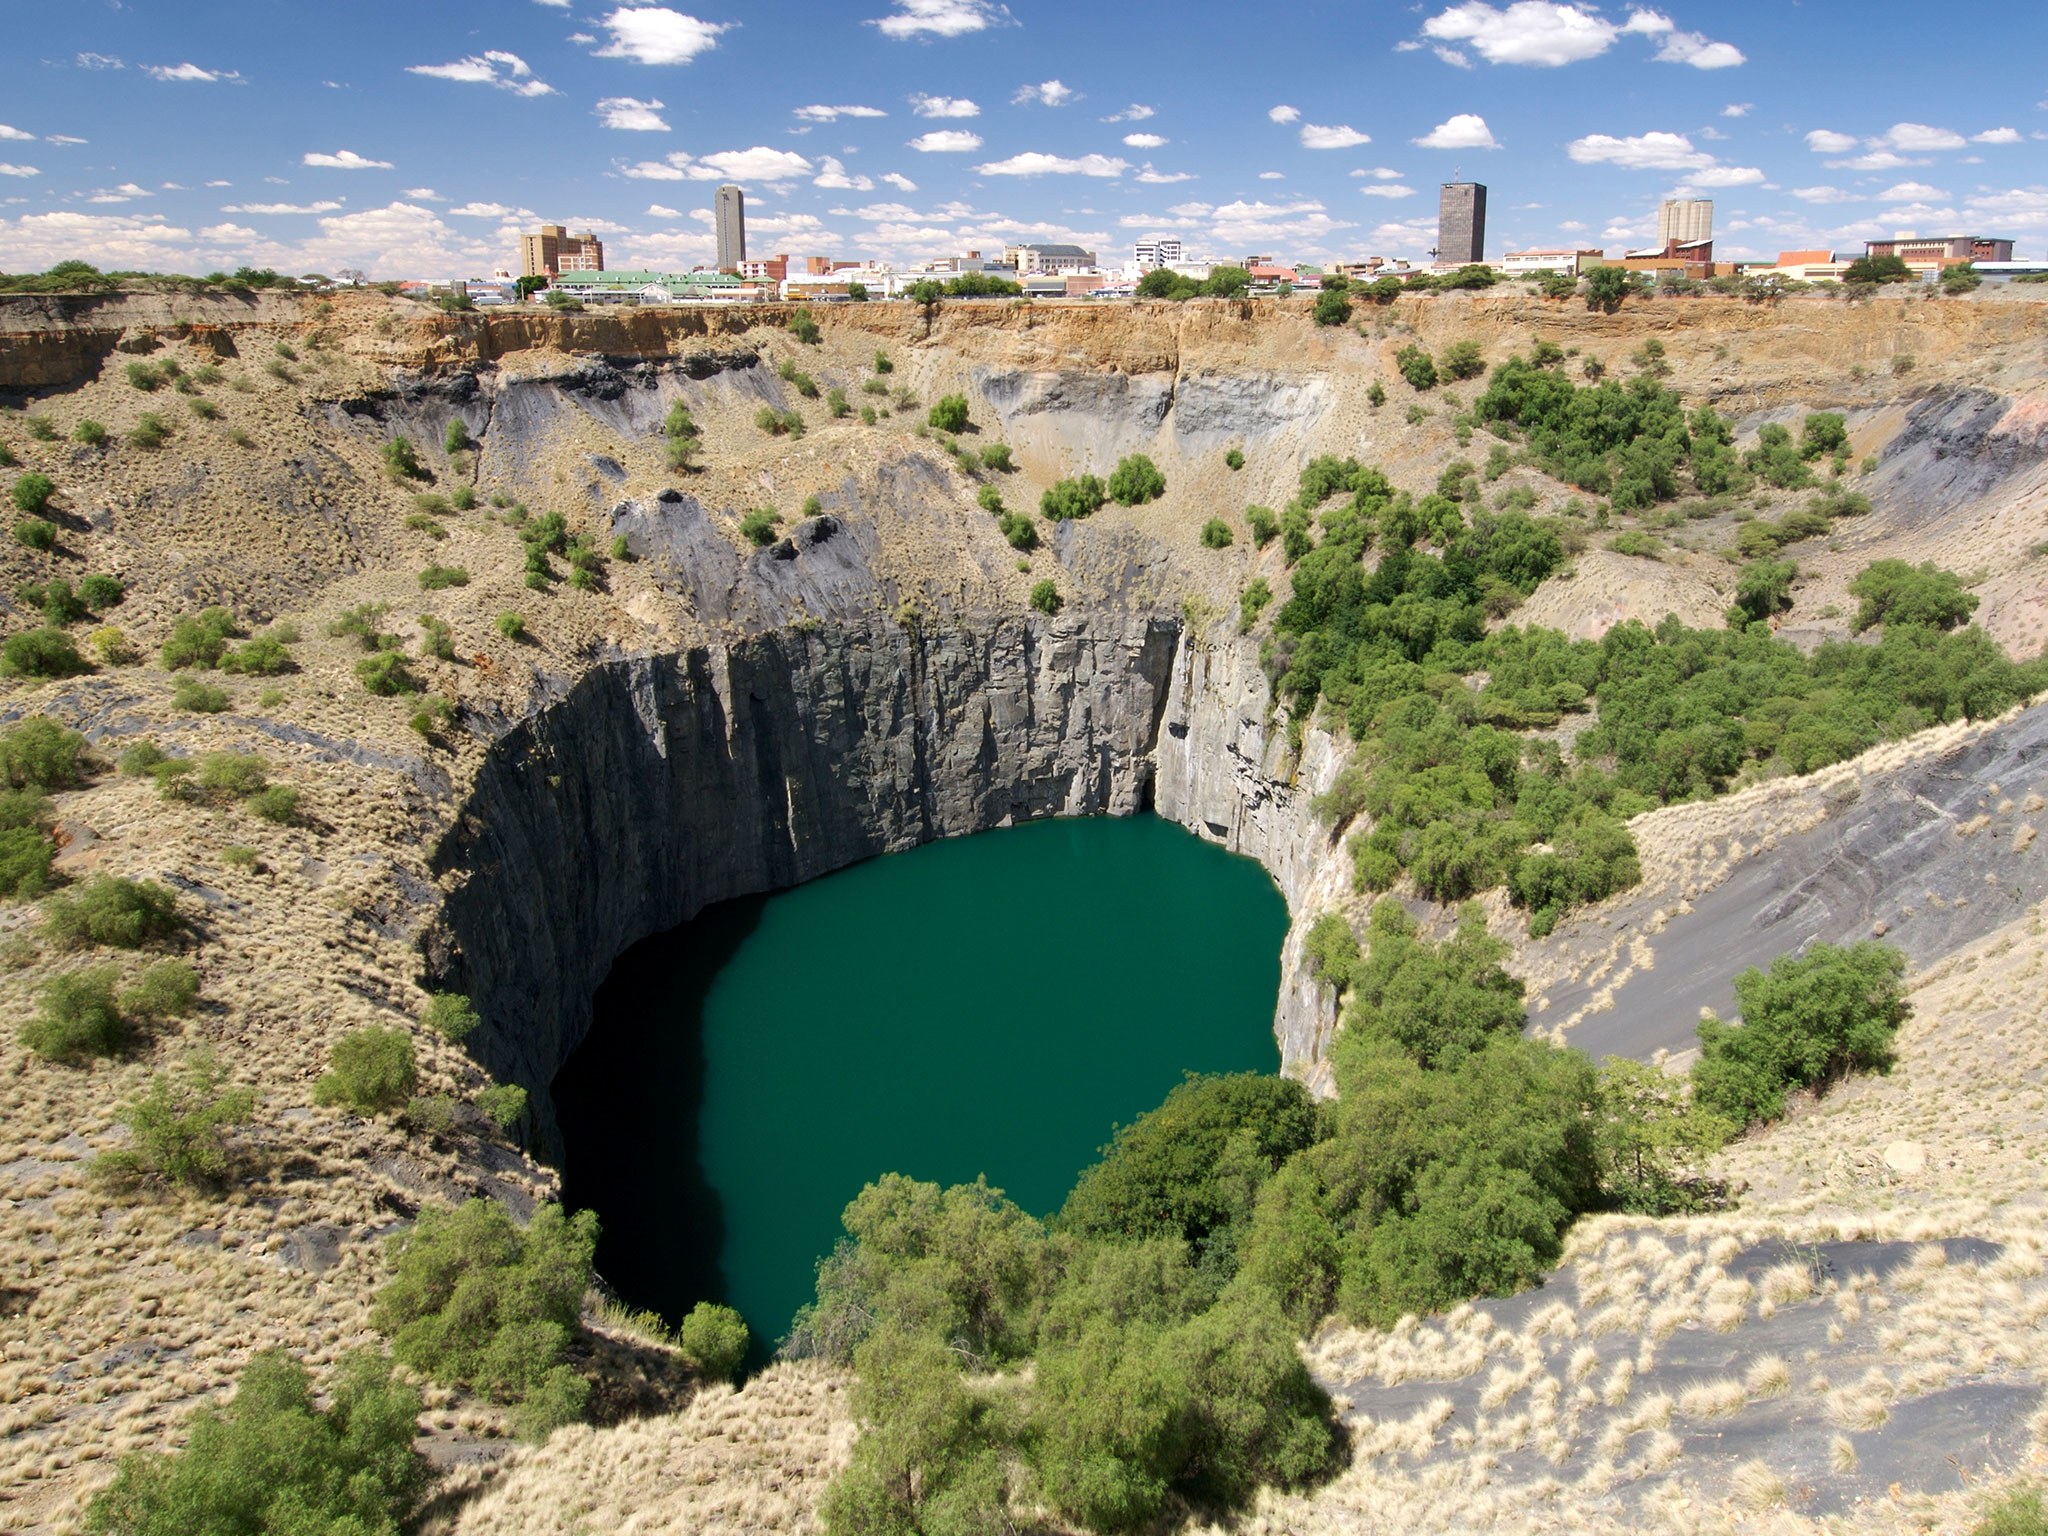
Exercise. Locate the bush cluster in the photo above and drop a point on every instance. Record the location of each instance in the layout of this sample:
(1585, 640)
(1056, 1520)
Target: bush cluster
(477, 1301)
(180, 1129)
(273, 1460)
(1079, 496)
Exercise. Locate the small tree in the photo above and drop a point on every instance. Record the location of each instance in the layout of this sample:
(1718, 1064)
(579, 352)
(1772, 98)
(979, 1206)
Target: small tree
(1332, 307)
(402, 460)
(1045, 597)
(1462, 360)
(273, 1461)
(181, 1127)
(457, 439)
(715, 1338)
(451, 1016)
(1216, 534)
(1870, 270)
(78, 1017)
(1077, 497)
(32, 493)
(1416, 366)
(369, 1071)
(40, 754)
(110, 911)
(1895, 593)
(804, 328)
(949, 414)
(1135, 480)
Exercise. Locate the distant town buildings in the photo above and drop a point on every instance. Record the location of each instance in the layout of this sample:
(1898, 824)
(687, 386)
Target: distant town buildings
(1948, 250)
(552, 250)
(1160, 251)
(1461, 224)
(1684, 221)
(730, 217)
(1048, 259)
(1569, 263)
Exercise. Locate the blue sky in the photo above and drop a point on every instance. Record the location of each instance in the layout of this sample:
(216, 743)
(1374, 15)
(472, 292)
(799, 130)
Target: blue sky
(415, 139)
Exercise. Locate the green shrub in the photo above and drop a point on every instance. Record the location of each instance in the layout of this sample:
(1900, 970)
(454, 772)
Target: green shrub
(200, 698)
(1234, 459)
(219, 777)
(1653, 1140)
(167, 990)
(111, 911)
(1258, 593)
(402, 459)
(503, 1104)
(511, 626)
(457, 439)
(835, 403)
(478, 1302)
(996, 456)
(439, 639)
(949, 414)
(1018, 530)
(433, 713)
(804, 328)
(759, 525)
(1763, 588)
(261, 656)
(1077, 497)
(450, 1016)
(1635, 542)
(714, 1338)
(198, 640)
(2019, 1511)
(1895, 593)
(1809, 1019)
(437, 577)
(882, 363)
(77, 1017)
(180, 1128)
(101, 592)
(360, 624)
(1416, 366)
(370, 1070)
(238, 856)
(272, 1461)
(150, 431)
(989, 499)
(1216, 534)
(36, 534)
(31, 493)
(279, 804)
(1263, 524)
(1135, 480)
(1332, 308)
(38, 753)
(26, 854)
(147, 377)
(1045, 597)
(1462, 360)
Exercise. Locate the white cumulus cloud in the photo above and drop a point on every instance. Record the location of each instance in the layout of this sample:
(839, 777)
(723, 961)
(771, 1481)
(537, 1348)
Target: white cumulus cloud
(1824, 195)
(1678, 47)
(1152, 178)
(506, 71)
(1724, 176)
(1033, 163)
(1343, 136)
(631, 115)
(900, 182)
(13, 133)
(1144, 140)
(1917, 138)
(1387, 189)
(1527, 32)
(946, 141)
(1284, 114)
(280, 208)
(832, 176)
(1132, 114)
(660, 211)
(1825, 141)
(1910, 192)
(654, 34)
(1047, 93)
(346, 160)
(943, 106)
(1463, 130)
(1640, 152)
(942, 18)
(1996, 136)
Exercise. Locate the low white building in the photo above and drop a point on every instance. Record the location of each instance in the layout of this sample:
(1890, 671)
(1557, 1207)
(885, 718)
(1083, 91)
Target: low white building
(1568, 263)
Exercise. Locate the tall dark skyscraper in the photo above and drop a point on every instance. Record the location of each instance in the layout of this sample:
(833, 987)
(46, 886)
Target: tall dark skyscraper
(731, 210)
(1461, 223)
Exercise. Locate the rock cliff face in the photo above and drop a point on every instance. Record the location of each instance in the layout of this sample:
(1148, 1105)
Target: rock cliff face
(658, 785)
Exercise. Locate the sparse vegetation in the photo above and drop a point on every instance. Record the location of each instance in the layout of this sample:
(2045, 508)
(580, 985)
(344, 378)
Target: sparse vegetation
(111, 911)
(180, 1129)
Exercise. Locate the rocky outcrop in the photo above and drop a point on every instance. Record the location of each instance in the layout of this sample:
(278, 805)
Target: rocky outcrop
(658, 785)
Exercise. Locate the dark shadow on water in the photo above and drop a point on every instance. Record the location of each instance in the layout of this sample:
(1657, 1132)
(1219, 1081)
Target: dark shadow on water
(632, 1096)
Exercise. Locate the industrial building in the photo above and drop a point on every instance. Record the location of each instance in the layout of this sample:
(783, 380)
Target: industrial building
(1947, 250)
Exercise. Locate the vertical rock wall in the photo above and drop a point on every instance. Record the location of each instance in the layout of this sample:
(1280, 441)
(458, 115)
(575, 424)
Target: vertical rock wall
(660, 785)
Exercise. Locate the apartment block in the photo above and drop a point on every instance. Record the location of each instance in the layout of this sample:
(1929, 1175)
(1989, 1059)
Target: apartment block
(552, 250)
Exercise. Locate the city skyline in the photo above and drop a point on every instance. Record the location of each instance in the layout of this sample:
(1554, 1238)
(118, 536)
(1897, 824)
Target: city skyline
(412, 145)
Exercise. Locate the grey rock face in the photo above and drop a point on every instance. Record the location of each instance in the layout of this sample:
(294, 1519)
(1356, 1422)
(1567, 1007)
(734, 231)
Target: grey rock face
(659, 785)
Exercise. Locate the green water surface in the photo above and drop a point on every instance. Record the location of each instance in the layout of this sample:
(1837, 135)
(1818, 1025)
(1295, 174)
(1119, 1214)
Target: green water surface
(986, 1005)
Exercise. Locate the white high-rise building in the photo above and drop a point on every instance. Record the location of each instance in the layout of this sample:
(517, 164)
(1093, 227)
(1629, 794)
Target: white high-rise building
(1161, 251)
(1684, 221)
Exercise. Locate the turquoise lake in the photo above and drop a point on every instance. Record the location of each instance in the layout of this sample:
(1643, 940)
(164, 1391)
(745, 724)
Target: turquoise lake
(986, 1005)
